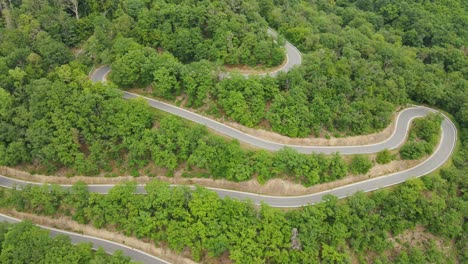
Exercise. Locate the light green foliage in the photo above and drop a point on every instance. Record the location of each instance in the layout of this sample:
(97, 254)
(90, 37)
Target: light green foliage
(26, 243)
(360, 164)
(165, 83)
(5, 104)
(244, 99)
(384, 157)
(415, 150)
(428, 128)
(198, 80)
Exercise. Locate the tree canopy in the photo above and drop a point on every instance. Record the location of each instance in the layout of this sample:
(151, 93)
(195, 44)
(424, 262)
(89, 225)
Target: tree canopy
(27, 243)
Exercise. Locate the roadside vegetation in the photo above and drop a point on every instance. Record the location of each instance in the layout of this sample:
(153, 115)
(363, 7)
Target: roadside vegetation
(384, 157)
(204, 227)
(27, 243)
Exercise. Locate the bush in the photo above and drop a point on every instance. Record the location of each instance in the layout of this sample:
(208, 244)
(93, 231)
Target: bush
(384, 157)
(428, 128)
(415, 150)
(360, 164)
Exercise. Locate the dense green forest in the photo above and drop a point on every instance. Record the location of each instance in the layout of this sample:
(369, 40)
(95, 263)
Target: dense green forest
(361, 62)
(66, 121)
(27, 243)
(53, 117)
(364, 227)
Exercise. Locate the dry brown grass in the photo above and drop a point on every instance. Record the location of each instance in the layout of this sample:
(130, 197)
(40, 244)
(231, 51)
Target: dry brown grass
(25, 176)
(65, 223)
(316, 141)
(260, 69)
(281, 187)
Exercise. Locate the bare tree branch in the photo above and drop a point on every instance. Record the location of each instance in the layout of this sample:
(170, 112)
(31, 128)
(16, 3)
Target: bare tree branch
(73, 6)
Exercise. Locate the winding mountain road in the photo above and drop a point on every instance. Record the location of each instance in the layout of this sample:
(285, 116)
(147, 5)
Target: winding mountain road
(403, 121)
(438, 158)
(404, 118)
(293, 56)
(109, 246)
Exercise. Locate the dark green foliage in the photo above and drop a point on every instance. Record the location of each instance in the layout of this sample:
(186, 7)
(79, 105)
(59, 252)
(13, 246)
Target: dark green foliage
(244, 100)
(26, 243)
(355, 70)
(360, 164)
(363, 58)
(228, 32)
(63, 120)
(384, 157)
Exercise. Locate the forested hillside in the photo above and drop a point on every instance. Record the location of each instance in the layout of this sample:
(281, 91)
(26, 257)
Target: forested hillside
(366, 57)
(229, 32)
(359, 65)
(362, 60)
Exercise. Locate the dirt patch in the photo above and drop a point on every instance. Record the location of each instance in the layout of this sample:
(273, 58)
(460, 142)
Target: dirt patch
(65, 223)
(25, 176)
(420, 238)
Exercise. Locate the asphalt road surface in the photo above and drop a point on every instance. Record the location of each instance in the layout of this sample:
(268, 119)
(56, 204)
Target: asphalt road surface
(293, 56)
(108, 246)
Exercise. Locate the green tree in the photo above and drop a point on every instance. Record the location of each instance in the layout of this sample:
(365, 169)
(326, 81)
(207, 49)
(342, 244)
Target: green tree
(165, 83)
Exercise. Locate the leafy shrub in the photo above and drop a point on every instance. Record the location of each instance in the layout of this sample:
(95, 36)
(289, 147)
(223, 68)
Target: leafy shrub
(360, 164)
(384, 157)
(428, 128)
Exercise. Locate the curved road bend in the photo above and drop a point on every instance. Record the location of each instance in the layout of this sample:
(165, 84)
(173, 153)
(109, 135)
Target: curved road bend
(397, 138)
(293, 56)
(437, 159)
(108, 246)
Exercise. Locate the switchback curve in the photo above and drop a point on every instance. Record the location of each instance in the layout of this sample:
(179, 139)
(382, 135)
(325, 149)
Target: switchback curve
(442, 153)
